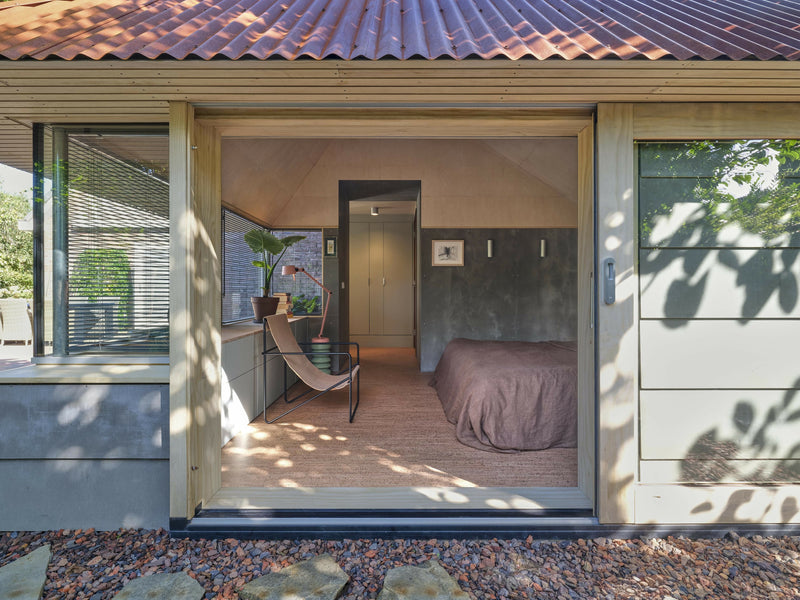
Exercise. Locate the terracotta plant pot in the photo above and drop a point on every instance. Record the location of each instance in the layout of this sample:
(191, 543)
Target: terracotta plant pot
(263, 306)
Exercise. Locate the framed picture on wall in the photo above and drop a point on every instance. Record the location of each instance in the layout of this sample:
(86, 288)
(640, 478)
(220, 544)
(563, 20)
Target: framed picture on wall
(330, 246)
(447, 253)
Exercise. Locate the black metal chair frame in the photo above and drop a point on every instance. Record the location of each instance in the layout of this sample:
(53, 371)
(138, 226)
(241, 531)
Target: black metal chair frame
(275, 351)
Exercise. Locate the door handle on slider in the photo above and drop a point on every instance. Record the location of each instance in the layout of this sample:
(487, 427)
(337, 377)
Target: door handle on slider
(609, 280)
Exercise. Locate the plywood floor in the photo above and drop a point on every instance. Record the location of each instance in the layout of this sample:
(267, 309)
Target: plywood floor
(399, 438)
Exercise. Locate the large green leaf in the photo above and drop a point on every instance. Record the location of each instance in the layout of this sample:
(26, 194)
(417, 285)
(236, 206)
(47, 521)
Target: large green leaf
(291, 240)
(263, 241)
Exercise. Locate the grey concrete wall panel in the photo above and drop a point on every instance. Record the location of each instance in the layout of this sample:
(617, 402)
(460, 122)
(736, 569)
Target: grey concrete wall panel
(730, 283)
(516, 295)
(93, 421)
(104, 494)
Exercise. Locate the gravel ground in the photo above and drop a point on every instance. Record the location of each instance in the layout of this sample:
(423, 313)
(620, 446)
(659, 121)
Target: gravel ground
(95, 565)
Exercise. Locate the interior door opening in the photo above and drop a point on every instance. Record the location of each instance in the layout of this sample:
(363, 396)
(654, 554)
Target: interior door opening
(382, 217)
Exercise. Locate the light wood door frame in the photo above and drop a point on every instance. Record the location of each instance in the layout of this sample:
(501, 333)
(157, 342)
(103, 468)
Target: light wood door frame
(195, 386)
(195, 203)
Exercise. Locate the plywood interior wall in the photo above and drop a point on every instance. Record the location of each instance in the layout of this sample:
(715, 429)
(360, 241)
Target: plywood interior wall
(465, 183)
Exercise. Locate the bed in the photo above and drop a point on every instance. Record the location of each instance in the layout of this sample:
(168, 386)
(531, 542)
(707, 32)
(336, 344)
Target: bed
(510, 396)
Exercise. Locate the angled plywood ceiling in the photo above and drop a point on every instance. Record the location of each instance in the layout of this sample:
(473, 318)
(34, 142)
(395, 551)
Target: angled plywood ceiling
(295, 183)
(260, 177)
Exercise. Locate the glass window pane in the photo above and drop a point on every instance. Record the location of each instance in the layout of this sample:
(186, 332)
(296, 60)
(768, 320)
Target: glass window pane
(106, 274)
(240, 279)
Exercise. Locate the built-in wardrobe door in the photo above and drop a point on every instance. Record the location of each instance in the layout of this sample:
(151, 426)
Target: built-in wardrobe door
(359, 279)
(398, 288)
(381, 284)
(376, 279)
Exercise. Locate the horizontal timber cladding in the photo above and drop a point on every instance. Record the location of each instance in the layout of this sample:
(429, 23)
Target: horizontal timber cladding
(140, 90)
(719, 283)
(116, 87)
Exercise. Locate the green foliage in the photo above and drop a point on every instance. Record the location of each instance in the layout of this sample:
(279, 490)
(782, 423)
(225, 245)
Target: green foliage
(104, 273)
(754, 184)
(16, 248)
(267, 245)
(301, 305)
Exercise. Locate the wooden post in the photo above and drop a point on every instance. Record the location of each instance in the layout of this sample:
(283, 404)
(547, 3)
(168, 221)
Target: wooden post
(195, 319)
(617, 337)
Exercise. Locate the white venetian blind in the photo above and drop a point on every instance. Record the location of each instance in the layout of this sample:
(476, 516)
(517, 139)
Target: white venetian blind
(240, 279)
(118, 244)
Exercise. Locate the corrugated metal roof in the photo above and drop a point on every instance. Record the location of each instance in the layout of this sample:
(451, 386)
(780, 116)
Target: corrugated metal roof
(402, 29)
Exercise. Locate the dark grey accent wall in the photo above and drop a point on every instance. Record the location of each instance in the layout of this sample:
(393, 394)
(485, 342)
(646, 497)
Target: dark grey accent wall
(516, 295)
(77, 456)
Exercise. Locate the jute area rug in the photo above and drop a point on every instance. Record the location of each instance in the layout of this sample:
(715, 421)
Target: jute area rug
(400, 437)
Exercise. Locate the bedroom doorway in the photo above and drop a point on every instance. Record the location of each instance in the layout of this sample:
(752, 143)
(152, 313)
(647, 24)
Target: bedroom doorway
(379, 220)
(445, 211)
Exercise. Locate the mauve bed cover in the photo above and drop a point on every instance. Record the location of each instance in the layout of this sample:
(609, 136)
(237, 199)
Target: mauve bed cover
(510, 396)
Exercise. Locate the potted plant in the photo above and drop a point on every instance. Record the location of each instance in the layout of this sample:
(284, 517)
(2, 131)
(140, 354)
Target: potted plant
(265, 244)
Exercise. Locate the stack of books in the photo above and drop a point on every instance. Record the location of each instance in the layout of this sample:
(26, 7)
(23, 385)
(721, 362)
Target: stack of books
(284, 303)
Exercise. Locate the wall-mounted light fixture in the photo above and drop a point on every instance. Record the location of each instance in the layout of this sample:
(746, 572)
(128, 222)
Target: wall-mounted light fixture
(542, 248)
(489, 248)
(374, 211)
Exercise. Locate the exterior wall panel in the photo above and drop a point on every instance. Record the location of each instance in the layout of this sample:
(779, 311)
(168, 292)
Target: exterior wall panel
(81, 456)
(714, 354)
(79, 494)
(728, 284)
(720, 319)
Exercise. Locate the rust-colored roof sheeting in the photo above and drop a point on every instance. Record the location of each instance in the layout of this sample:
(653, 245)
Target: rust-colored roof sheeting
(402, 29)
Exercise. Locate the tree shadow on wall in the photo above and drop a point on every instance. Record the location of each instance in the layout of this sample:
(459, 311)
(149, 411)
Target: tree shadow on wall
(720, 238)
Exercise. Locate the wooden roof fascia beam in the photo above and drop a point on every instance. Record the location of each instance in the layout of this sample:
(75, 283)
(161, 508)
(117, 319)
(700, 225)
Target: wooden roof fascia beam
(716, 120)
(424, 123)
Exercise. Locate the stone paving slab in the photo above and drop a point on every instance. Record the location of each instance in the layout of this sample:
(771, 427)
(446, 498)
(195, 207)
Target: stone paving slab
(429, 581)
(319, 578)
(24, 578)
(162, 586)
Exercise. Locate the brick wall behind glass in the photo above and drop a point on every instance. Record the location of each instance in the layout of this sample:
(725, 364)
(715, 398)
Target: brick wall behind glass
(306, 254)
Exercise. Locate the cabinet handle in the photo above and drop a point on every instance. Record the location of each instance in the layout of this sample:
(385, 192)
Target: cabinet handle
(384, 282)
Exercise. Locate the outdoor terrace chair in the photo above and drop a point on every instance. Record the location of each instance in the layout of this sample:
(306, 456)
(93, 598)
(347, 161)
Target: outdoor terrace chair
(16, 323)
(297, 359)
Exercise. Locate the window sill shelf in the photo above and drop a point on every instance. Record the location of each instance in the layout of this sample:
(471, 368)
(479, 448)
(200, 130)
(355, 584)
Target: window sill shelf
(86, 373)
